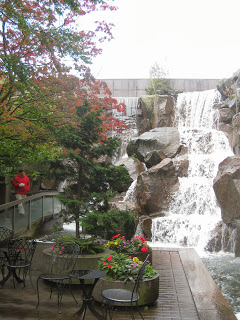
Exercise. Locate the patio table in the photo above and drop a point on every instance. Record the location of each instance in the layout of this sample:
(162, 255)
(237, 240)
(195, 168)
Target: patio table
(87, 297)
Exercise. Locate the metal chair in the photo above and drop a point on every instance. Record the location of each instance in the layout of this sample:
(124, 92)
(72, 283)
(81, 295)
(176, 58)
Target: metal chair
(19, 257)
(5, 235)
(64, 257)
(123, 296)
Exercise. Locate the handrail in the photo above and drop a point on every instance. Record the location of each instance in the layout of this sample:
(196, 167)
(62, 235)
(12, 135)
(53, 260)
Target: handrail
(33, 197)
(35, 209)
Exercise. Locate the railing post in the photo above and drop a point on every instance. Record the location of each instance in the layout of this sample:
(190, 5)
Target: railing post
(42, 208)
(30, 215)
(13, 221)
(52, 205)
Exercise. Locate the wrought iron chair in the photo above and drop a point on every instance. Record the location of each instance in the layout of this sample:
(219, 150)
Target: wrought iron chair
(64, 257)
(5, 235)
(127, 297)
(19, 257)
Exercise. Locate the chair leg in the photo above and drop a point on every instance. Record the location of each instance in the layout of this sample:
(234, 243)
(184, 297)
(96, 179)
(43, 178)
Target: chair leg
(60, 294)
(37, 293)
(138, 309)
(51, 289)
(30, 277)
(104, 308)
(70, 287)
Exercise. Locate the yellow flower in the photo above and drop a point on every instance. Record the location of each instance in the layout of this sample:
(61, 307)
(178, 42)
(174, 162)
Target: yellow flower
(135, 259)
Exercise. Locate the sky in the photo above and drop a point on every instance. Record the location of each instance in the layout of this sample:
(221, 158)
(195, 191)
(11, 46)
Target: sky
(187, 38)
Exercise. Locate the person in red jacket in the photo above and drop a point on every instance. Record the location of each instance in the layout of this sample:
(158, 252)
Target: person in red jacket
(22, 185)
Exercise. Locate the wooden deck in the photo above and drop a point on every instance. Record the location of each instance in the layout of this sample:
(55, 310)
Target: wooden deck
(186, 292)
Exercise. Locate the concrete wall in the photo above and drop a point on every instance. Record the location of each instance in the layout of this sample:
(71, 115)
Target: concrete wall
(136, 87)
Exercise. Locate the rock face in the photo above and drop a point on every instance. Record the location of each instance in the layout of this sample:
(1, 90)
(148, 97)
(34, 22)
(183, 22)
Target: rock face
(229, 110)
(227, 188)
(166, 140)
(157, 111)
(155, 186)
(133, 165)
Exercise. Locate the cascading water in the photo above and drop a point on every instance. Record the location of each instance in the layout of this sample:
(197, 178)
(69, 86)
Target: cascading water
(194, 212)
(130, 119)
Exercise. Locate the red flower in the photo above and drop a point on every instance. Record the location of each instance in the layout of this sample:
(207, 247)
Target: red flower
(109, 258)
(109, 266)
(144, 249)
(142, 239)
(103, 263)
(116, 236)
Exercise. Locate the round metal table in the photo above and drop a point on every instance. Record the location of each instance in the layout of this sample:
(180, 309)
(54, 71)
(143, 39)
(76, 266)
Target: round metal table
(87, 297)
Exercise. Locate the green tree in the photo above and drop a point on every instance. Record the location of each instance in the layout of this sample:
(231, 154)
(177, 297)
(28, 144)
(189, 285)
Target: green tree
(91, 178)
(159, 84)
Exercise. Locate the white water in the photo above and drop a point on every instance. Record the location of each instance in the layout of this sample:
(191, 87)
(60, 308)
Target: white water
(130, 119)
(194, 212)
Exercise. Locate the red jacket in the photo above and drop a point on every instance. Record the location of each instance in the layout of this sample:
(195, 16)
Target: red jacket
(19, 179)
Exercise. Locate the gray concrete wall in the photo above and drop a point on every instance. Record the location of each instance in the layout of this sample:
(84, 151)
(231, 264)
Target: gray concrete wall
(136, 87)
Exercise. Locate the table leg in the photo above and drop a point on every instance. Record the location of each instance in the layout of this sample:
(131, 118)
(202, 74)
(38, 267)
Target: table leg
(87, 299)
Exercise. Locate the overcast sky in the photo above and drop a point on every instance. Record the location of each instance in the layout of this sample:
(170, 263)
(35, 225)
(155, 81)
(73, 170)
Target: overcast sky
(189, 38)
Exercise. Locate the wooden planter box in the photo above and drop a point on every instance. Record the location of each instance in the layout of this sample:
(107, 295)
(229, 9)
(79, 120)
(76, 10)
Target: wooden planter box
(149, 289)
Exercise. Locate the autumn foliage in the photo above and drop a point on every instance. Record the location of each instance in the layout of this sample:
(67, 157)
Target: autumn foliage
(44, 75)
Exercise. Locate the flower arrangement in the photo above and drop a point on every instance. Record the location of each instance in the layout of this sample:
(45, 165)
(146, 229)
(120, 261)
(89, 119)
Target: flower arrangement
(57, 249)
(134, 245)
(119, 266)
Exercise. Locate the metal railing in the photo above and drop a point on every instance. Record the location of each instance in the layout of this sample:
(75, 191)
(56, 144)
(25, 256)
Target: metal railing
(36, 208)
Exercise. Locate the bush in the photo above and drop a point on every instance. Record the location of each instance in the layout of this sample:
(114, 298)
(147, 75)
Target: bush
(88, 246)
(107, 224)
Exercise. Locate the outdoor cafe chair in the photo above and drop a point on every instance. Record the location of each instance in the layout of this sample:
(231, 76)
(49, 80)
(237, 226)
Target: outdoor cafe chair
(126, 297)
(18, 259)
(64, 257)
(5, 235)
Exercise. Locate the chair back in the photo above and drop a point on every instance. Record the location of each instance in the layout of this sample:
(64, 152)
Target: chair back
(64, 256)
(5, 235)
(140, 276)
(21, 248)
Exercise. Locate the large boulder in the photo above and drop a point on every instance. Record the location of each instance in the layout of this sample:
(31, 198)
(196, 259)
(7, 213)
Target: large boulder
(227, 188)
(133, 165)
(155, 187)
(157, 111)
(165, 139)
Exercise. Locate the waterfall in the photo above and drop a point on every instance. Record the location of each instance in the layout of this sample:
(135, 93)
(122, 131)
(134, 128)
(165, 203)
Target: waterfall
(194, 212)
(130, 118)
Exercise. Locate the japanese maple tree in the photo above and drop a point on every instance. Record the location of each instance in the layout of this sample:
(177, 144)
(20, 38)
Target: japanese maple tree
(41, 47)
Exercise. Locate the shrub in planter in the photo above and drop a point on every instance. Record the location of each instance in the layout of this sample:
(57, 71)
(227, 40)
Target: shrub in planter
(107, 224)
(119, 266)
(87, 245)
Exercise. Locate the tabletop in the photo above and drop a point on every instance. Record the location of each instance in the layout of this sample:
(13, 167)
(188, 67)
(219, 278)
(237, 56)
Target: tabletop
(87, 274)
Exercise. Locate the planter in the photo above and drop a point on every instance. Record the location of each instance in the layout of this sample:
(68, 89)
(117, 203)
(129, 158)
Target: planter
(149, 289)
(85, 261)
